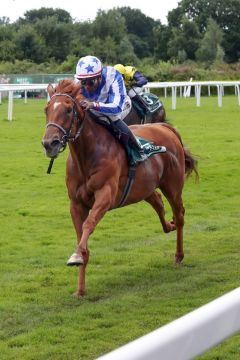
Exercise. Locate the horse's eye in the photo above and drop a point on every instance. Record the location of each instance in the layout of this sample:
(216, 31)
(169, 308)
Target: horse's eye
(69, 110)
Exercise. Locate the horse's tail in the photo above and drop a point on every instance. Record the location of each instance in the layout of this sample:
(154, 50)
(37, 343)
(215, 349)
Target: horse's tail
(190, 163)
(190, 160)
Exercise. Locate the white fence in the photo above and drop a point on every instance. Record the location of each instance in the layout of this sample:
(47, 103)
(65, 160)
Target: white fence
(197, 85)
(183, 87)
(188, 336)
(11, 88)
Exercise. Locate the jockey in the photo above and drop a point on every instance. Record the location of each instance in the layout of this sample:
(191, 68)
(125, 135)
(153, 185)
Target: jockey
(105, 93)
(134, 81)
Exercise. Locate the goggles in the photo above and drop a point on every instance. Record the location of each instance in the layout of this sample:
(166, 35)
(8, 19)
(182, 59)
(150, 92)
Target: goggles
(89, 82)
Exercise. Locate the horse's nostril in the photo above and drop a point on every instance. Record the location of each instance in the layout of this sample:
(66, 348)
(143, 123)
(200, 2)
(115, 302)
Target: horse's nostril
(55, 143)
(51, 144)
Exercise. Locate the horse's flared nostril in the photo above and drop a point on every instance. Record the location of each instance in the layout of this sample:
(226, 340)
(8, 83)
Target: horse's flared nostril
(52, 146)
(55, 143)
(51, 143)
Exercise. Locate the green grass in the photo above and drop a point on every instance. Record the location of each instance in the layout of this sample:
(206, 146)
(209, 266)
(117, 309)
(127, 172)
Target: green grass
(133, 285)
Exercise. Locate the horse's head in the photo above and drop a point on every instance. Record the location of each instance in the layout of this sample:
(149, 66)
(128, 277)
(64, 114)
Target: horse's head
(63, 115)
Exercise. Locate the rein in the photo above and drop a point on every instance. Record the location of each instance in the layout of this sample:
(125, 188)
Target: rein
(66, 133)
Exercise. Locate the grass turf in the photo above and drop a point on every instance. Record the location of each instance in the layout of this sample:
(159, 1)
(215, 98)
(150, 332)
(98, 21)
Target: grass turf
(133, 285)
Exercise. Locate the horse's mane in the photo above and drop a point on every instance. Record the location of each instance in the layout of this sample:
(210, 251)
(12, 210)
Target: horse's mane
(68, 86)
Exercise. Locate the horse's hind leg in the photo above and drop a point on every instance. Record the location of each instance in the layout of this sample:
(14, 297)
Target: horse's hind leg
(175, 200)
(156, 201)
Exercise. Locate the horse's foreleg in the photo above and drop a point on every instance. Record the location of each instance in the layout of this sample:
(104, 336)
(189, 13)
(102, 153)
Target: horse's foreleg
(155, 200)
(103, 202)
(81, 279)
(79, 213)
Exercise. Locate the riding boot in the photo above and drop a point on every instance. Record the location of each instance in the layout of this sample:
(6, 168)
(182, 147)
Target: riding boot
(127, 138)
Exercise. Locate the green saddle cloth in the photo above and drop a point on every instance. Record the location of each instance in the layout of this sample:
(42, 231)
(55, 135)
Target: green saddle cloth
(149, 149)
(152, 102)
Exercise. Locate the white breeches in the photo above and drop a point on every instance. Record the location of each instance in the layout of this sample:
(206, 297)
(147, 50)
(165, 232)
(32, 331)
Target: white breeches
(135, 91)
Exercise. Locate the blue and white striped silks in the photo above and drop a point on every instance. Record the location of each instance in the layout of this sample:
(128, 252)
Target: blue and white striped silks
(111, 94)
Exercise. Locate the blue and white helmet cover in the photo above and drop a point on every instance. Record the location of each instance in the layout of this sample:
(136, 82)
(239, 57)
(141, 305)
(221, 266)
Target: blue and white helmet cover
(88, 67)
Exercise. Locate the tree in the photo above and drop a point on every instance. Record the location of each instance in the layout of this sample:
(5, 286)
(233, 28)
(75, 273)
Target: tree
(29, 45)
(108, 52)
(162, 34)
(140, 29)
(125, 53)
(82, 36)
(225, 13)
(4, 20)
(184, 41)
(56, 36)
(61, 15)
(7, 50)
(210, 46)
(109, 23)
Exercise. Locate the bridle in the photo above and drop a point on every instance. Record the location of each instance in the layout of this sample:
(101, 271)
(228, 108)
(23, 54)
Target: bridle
(67, 133)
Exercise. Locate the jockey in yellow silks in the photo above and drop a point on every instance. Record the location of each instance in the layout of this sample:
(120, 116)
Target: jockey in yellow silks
(134, 82)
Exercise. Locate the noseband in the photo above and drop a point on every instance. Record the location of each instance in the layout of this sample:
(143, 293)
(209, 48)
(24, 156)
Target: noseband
(67, 136)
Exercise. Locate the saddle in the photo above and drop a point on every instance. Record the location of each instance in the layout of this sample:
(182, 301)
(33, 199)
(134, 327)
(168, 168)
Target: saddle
(149, 147)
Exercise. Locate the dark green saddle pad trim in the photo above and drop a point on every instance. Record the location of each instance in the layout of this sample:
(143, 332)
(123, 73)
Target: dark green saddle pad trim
(149, 149)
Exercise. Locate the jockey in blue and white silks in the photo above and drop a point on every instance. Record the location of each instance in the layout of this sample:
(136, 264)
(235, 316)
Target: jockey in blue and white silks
(104, 87)
(105, 94)
(111, 97)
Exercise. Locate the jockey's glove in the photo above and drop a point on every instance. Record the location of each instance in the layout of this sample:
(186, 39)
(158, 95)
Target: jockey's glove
(86, 104)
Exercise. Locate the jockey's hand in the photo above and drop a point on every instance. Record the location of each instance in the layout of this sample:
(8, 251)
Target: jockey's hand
(86, 104)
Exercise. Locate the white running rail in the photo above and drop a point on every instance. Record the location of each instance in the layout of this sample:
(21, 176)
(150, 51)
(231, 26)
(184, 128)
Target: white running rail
(197, 87)
(174, 86)
(188, 336)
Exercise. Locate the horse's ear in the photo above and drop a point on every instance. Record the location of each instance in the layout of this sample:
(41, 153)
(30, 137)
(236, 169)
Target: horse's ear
(50, 90)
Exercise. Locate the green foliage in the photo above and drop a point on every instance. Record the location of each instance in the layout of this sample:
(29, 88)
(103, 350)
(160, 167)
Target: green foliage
(30, 45)
(125, 52)
(225, 13)
(43, 13)
(133, 285)
(184, 39)
(68, 66)
(210, 46)
(27, 67)
(7, 50)
(48, 34)
(140, 29)
(106, 23)
(57, 37)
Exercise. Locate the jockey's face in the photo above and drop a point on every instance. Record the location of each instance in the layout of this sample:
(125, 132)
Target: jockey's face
(91, 84)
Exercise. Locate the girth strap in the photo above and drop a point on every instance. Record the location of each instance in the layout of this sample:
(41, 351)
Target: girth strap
(128, 186)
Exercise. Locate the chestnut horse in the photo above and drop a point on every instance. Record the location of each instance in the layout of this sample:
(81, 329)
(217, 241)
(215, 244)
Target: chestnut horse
(97, 169)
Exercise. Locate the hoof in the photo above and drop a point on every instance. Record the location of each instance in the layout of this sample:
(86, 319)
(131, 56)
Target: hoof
(75, 259)
(170, 226)
(79, 294)
(179, 258)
